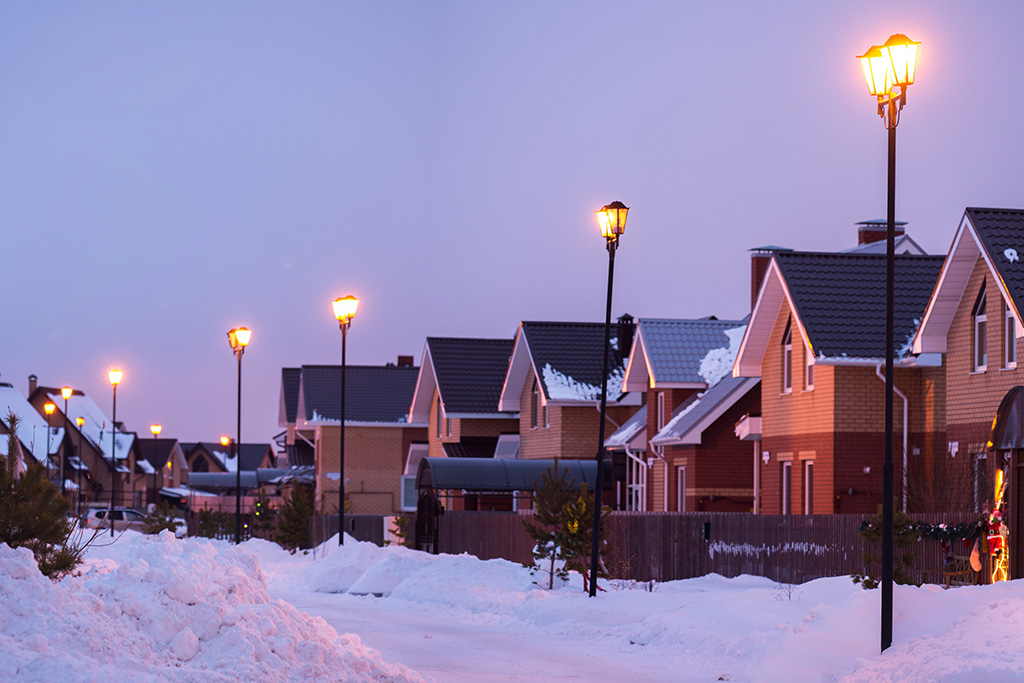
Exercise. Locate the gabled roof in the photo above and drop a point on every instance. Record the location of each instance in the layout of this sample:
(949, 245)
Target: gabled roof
(158, 452)
(252, 454)
(567, 359)
(32, 427)
(838, 304)
(97, 426)
(995, 235)
(902, 244)
(681, 353)
(632, 433)
(289, 405)
(378, 394)
(468, 374)
(688, 425)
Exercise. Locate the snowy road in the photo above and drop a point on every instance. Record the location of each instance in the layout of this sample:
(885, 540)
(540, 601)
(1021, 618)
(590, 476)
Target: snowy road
(447, 648)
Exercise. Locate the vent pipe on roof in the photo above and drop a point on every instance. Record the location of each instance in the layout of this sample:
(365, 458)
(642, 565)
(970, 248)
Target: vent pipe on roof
(405, 361)
(626, 330)
(32, 382)
(869, 232)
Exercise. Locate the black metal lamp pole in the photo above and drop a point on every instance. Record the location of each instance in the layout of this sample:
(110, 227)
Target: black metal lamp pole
(613, 223)
(66, 393)
(344, 311)
(115, 379)
(889, 69)
(78, 472)
(238, 339)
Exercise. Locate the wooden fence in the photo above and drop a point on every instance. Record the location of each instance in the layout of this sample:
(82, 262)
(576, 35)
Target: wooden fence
(680, 545)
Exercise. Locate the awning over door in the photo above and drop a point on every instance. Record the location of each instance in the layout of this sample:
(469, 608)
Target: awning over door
(1008, 425)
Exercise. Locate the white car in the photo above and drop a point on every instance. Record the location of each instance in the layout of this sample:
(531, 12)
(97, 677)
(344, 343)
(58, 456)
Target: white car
(123, 518)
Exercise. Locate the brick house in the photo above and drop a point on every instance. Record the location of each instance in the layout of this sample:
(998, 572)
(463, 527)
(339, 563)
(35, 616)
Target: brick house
(32, 431)
(164, 470)
(684, 455)
(378, 435)
(973, 317)
(456, 395)
(816, 339)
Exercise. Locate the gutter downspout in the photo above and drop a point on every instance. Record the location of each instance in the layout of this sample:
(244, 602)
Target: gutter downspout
(878, 371)
(757, 476)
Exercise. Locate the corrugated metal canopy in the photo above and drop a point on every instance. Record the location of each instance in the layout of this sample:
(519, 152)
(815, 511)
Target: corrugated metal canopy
(226, 480)
(477, 474)
(1008, 426)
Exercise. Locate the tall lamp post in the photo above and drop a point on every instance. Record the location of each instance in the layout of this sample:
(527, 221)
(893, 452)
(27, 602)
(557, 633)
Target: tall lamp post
(115, 376)
(48, 408)
(156, 429)
(344, 311)
(888, 70)
(78, 476)
(612, 219)
(239, 339)
(66, 393)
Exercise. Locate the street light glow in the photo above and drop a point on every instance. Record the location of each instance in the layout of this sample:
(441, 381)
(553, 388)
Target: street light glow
(156, 429)
(115, 376)
(612, 219)
(345, 308)
(66, 393)
(49, 408)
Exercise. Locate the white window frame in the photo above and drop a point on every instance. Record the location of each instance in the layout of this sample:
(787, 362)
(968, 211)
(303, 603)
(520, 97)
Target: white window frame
(980, 347)
(787, 359)
(787, 486)
(681, 488)
(660, 410)
(1009, 338)
(808, 487)
(534, 405)
(406, 505)
(809, 374)
(636, 482)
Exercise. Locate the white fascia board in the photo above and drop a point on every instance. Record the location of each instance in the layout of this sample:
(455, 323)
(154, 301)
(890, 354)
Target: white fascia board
(419, 409)
(357, 423)
(925, 360)
(484, 416)
(700, 386)
(638, 376)
(693, 436)
(762, 323)
(949, 290)
(519, 367)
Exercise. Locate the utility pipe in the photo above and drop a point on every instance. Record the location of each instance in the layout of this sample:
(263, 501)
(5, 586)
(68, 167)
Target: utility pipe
(878, 371)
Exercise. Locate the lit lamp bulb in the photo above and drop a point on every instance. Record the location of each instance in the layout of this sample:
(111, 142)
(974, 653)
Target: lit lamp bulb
(345, 308)
(66, 393)
(49, 408)
(156, 429)
(115, 376)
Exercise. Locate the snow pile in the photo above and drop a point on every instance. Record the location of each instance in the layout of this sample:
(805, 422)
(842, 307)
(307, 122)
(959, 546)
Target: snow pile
(563, 387)
(157, 608)
(718, 362)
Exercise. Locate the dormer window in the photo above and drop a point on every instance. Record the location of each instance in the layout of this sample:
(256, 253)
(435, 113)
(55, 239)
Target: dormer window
(787, 358)
(980, 320)
(534, 405)
(1009, 338)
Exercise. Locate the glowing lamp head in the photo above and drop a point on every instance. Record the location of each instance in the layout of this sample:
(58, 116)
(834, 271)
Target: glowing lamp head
(49, 408)
(156, 429)
(66, 393)
(224, 441)
(79, 421)
(115, 376)
(877, 71)
(168, 465)
(902, 54)
(345, 308)
(612, 219)
(239, 338)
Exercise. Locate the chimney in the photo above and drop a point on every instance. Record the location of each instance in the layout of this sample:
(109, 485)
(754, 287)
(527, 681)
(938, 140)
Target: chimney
(626, 330)
(869, 232)
(405, 361)
(32, 382)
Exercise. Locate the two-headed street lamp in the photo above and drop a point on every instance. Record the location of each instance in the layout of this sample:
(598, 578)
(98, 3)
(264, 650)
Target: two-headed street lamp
(888, 70)
(239, 338)
(115, 377)
(612, 219)
(344, 310)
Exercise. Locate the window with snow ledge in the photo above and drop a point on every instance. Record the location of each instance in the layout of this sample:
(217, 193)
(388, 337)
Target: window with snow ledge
(980, 320)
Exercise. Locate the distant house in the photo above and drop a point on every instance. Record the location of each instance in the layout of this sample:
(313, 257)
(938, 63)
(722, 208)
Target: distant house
(32, 431)
(211, 456)
(164, 469)
(686, 455)
(456, 393)
(379, 437)
(298, 445)
(816, 340)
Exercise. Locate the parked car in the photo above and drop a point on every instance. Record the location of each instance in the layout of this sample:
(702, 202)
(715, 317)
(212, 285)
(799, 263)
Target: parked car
(123, 518)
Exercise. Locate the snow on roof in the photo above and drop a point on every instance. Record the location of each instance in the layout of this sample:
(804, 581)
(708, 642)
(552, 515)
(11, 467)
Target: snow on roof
(184, 491)
(230, 464)
(718, 362)
(32, 427)
(629, 429)
(145, 466)
(96, 427)
(562, 387)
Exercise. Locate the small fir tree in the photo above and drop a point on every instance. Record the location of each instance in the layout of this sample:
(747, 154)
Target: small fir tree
(262, 516)
(159, 519)
(904, 535)
(546, 527)
(33, 513)
(401, 528)
(576, 535)
(293, 520)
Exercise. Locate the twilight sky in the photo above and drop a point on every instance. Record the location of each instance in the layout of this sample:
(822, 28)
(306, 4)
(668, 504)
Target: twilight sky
(172, 170)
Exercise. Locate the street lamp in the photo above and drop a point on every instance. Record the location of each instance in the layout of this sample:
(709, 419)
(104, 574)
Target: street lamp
(78, 476)
(888, 70)
(344, 311)
(66, 393)
(115, 379)
(156, 429)
(612, 219)
(238, 338)
(48, 408)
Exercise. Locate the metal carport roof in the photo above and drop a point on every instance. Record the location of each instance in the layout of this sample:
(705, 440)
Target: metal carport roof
(479, 474)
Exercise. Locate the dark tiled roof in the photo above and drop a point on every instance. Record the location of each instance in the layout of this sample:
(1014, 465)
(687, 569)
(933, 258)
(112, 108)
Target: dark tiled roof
(575, 351)
(252, 453)
(841, 299)
(290, 381)
(373, 393)
(1000, 230)
(156, 451)
(727, 393)
(676, 348)
(469, 372)
(472, 447)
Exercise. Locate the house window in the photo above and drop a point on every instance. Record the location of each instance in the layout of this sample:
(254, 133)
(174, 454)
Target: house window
(787, 481)
(636, 481)
(533, 405)
(439, 417)
(809, 378)
(808, 487)
(980, 355)
(547, 423)
(409, 497)
(681, 489)
(980, 481)
(661, 410)
(448, 425)
(787, 359)
(1010, 338)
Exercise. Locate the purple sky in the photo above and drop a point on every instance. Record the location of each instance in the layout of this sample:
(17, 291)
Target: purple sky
(172, 170)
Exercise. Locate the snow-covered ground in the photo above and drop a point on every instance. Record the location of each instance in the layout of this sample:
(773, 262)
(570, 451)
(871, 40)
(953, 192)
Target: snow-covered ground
(160, 608)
